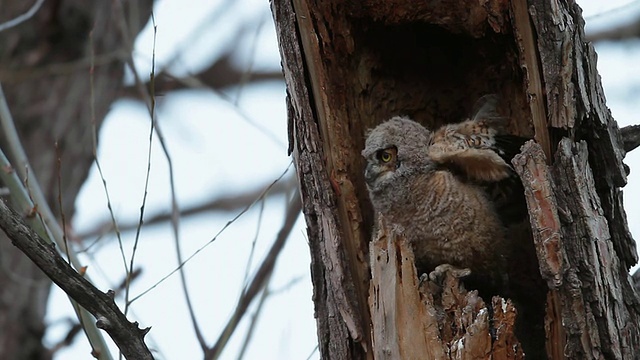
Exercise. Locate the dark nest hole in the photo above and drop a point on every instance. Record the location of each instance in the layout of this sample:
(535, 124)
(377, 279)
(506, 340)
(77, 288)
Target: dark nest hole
(436, 76)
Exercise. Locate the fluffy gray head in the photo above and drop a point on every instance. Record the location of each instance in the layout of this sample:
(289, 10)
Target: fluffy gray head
(395, 148)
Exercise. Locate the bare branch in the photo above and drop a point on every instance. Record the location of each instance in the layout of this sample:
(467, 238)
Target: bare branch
(630, 137)
(73, 331)
(149, 96)
(195, 253)
(224, 203)
(22, 18)
(628, 30)
(127, 336)
(260, 279)
(315, 350)
(617, 30)
(254, 319)
(221, 74)
(30, 196)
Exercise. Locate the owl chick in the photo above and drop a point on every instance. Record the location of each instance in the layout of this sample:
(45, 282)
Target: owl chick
(457, 199)
(446, 218)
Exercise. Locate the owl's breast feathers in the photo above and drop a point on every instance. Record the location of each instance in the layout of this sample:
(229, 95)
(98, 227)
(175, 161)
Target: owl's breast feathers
(450, 221)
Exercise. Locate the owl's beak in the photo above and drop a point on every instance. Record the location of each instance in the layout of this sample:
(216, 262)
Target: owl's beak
(369, 174)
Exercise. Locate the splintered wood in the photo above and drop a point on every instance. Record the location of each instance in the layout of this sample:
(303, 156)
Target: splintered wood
(433, 318)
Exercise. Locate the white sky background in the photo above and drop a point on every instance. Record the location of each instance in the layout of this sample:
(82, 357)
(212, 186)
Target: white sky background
(216, 151)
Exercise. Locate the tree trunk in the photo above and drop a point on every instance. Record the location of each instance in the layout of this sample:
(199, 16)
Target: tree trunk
(350, 65)
(44, 70)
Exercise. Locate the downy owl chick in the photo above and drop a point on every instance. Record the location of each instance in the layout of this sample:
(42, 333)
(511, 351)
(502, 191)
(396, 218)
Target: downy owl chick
(458, 201)
(447, 218)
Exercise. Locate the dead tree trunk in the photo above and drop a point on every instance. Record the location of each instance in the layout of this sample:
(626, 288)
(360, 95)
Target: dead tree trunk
(350, 65)
(45, 65)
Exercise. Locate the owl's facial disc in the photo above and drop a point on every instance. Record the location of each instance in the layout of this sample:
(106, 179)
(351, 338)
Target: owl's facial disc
(381, 165)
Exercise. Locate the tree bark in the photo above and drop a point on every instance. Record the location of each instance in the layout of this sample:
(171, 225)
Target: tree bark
(350, 65)
(44, 70)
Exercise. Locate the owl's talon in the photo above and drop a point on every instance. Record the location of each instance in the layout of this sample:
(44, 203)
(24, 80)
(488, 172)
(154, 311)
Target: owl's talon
(440, 271)
(422, 279)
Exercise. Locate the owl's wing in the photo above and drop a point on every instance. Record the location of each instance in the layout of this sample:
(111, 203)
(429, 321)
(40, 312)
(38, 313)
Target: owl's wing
(475, 150)
(490, 169)
(478, 148)
(507, 194)
(483, 165)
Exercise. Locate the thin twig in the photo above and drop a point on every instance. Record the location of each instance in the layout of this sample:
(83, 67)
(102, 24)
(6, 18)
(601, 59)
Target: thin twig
(194, 82)
(291, 283)
(315, 350)
(246, 74)
(264, 193)
(62, 217)
(254, 318)
(267, 292)
(199, 30)
(68, 339)
(247, 268)
(260, 278)
(175, 211)
(94, 136)
(22, 18)
(148, 172)
(21, 75)
(244, 116)
(224, 203)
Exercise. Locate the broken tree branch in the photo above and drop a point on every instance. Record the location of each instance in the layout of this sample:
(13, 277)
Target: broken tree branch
(630, 137)
(127, 335)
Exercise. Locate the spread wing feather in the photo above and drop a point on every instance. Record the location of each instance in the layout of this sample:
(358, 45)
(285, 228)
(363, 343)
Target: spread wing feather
(480, 150)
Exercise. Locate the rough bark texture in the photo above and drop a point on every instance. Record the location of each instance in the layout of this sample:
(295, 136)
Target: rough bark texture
(590, 283)
(350, 65)
(44, 71)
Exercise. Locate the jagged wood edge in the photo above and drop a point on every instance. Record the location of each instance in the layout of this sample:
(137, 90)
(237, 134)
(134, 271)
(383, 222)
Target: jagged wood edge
(397, 313)
(407, 317)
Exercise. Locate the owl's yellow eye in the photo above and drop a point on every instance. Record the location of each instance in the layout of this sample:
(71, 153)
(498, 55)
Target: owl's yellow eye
(386, 155)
